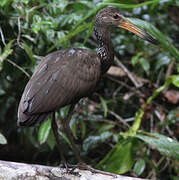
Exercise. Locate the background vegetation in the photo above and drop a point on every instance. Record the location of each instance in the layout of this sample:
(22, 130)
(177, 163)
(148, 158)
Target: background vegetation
(131, 124)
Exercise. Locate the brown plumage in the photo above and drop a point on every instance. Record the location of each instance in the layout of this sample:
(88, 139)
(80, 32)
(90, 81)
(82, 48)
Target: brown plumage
(64, 77)
(61, 78)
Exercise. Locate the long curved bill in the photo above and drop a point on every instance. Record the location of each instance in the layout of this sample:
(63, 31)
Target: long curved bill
(125, 24)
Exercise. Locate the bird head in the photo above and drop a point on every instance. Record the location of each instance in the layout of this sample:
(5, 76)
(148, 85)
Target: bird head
(110, 17)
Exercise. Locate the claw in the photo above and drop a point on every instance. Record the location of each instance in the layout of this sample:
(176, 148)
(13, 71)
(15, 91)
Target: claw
(83, 166)
(69, 169)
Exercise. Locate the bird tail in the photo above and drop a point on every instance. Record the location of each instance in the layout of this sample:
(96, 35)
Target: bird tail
(25, 119)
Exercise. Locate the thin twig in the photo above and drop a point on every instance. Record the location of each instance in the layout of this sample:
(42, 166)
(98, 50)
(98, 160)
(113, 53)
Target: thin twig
(101, 120)
(131, 77)
(170, 69)
(169, 72)
(17, 66)
(19, 32)
(119, 118)
(127, 86)
(2, 37)
(38, 57)
(115, 115)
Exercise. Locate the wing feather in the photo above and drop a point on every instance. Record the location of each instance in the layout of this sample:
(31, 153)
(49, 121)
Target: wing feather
(61, 78)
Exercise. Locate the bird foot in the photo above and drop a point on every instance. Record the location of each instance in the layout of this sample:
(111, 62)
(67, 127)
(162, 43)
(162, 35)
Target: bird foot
(83, 166)
(69, 169)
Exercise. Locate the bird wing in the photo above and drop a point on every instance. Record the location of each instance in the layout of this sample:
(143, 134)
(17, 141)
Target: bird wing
(61, 78)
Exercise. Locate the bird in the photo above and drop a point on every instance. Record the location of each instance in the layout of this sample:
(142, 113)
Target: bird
(65, 76)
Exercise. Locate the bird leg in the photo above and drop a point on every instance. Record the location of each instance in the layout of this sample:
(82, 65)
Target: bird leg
(59, 146)
(69, 135)
(81, 165)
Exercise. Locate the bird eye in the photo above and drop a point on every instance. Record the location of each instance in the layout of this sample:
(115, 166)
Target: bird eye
(116, 16)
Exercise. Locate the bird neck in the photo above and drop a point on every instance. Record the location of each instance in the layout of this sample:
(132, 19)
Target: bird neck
(105, 49)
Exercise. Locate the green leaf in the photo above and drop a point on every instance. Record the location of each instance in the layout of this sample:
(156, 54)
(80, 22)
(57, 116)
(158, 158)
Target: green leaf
(92, 141)
(119, 160)
(51, 140)
(164, 144)
(90, 29)
(83, 128)
(163, 59)
(173, 116)
(135, 126)
(164, 42)
(139, 114)
(44, 131)
(25, 1)
(64, 111)
(127, 6)
(139, 167)
(5, 2)
(72, 33)
(29, 52)
(2, 139)
(178, 68)
(6, 51)
(175, 80)
(73, 125)
(105, 127)
(135, 58)
(104, 105)
(145, 65)
(64, 137)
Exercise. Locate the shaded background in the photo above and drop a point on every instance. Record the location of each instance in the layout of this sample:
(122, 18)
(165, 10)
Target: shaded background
(109, 133)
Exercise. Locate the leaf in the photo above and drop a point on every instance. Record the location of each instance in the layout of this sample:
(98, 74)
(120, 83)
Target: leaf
(64, 137)
(25, 1)
(92, 141)
(175, 80)
(157, 34)
(70, 35)
(162, 59)
(51, 140)
(73, 125)
(120, 5)
(139, 114)
(6, 51)
(145, 65)
(135, 126)
(104, 105)
(173, 116)
(2, 139)
(44, 131)
(29, 52)
(164, 144)
(135, 58)
(64, 111)
(139, 167)
(83, 128)
(119, 160)
(90, 29)
(105, 127)
(5, 2)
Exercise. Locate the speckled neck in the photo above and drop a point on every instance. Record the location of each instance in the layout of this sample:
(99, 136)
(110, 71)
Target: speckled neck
(105, 47)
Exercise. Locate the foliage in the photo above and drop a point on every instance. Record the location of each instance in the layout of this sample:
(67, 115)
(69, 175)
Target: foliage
(131, 124)
(2, 139)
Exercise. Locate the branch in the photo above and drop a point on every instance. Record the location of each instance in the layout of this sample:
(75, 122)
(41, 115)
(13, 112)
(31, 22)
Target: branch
(22, 171)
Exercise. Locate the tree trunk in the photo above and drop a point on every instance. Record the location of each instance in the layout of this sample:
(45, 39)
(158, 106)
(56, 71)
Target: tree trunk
(22, 171)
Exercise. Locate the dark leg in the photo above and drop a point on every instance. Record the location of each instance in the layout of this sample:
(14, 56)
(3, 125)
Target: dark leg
(69, 135)
(55, 132)
(81, 165)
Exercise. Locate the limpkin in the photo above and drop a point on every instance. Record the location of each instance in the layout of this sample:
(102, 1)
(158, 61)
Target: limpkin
(65, 76)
